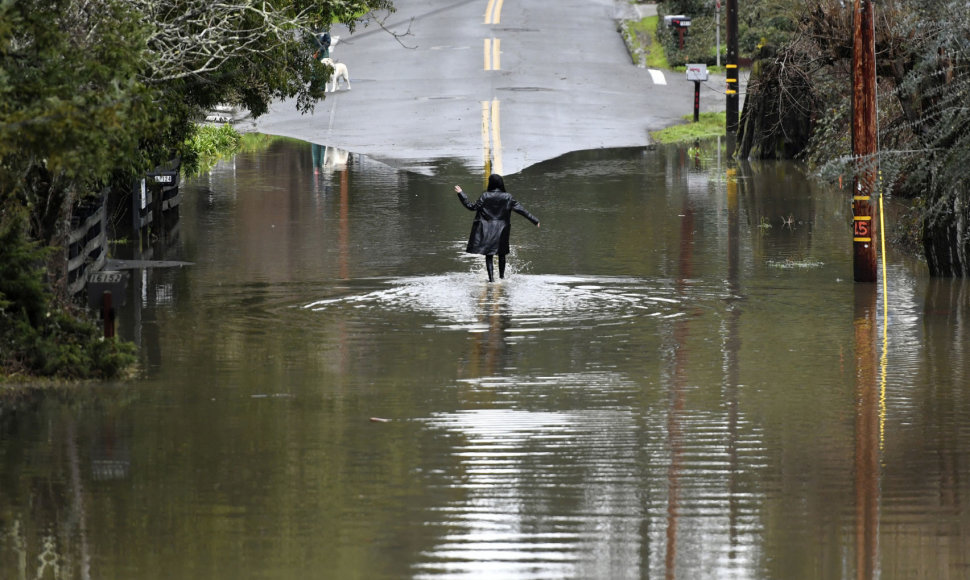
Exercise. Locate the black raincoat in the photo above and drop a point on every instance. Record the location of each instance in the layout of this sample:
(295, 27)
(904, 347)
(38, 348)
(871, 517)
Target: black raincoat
(492, 225)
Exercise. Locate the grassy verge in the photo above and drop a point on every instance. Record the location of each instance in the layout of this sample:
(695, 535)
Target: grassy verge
(641, 40)
(709, 125)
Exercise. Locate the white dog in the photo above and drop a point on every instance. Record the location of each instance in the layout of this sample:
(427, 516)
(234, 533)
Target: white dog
(339, 72)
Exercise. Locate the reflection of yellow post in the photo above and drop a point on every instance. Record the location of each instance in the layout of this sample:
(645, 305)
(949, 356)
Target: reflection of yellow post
(884, 357)
(732, 349)
(866, 434)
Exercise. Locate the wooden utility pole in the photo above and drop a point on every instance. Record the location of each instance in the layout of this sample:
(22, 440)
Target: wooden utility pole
(732, 72)
(864, 142)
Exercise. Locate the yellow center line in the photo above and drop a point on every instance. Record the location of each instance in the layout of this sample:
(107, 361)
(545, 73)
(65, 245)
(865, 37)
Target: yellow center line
(496, 138)
(493, 12)
(491, 126)
(493, 50)
(492, 136)
(486, 143)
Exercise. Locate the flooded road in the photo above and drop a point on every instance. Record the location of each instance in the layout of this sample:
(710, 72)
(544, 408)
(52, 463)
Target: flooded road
(677, 379)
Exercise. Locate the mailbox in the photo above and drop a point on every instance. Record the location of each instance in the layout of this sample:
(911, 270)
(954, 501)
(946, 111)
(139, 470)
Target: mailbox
(166, 178)
(677, 21)
(107, 281)
(697, 72)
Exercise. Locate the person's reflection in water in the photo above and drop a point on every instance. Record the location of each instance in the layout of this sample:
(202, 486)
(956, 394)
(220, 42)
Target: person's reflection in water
(318, 153)
(492, 347)
(493, 223)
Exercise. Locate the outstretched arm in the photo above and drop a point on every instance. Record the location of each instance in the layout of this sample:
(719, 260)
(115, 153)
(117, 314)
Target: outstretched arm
(464, 199)
(517, 208)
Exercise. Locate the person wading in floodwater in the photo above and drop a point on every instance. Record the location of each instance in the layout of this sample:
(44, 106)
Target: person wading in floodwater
(493, 223)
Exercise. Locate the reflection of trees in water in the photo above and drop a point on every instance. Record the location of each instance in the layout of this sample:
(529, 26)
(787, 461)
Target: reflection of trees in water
(45, 536)
(43, 512)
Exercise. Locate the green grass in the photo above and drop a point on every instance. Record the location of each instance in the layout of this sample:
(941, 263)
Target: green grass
(641, 39)
(709, 125)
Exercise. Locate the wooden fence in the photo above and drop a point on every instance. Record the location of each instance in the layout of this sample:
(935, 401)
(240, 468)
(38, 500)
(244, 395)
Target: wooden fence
(154, 209)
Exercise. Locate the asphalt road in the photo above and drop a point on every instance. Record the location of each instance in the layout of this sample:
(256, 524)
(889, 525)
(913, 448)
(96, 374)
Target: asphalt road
(499, 84)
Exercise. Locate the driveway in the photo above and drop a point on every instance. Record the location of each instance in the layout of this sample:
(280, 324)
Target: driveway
(498, 84)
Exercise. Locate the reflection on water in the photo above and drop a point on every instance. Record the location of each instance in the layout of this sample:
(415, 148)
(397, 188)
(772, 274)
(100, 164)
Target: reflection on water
(508, 464)
(530, 301)
(677, 379)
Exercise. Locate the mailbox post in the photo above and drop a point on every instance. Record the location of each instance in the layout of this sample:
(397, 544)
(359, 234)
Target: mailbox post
(681, 23)
(105, 290)
(698, 74)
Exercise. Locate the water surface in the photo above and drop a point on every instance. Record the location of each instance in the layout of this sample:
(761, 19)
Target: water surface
(678, 378)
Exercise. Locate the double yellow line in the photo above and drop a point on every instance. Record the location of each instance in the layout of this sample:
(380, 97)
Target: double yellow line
(491, 137)
(493, 12)
(492, 51)
(491, 127)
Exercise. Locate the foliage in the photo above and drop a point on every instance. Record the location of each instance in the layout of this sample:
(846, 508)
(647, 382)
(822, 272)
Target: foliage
(761, 23)
(37, 338)
(641, 39)
(934, 99)
(72, 111)
(97, 92)
(207, 145)
(924, 126)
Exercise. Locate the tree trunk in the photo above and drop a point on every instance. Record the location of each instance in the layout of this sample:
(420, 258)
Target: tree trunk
(772, 126)
(946, 240)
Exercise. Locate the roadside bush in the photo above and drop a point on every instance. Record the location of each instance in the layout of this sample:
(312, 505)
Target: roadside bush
(37, 338)
(207, 145)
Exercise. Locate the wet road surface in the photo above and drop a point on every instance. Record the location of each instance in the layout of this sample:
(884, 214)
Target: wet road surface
(499, 84)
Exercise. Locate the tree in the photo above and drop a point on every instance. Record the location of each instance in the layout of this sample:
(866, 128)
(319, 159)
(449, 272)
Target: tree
(797, 107)
(72, 110)
(933, 97)
(95, 92)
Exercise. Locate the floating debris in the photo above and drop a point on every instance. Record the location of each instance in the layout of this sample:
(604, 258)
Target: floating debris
(790, 264)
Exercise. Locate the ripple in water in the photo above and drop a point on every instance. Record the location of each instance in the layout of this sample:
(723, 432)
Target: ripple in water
(529, 301)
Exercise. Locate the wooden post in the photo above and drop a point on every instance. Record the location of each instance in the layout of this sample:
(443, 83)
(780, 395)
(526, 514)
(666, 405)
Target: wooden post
(697, 101)
(108, 313)
(717, 31)
(732, 72)
(864, 142)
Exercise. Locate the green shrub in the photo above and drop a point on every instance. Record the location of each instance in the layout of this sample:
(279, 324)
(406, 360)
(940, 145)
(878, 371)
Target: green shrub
(207, 145)
(38, 338)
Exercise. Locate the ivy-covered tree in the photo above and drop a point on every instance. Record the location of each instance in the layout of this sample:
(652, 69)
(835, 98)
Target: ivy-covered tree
(933, 97)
